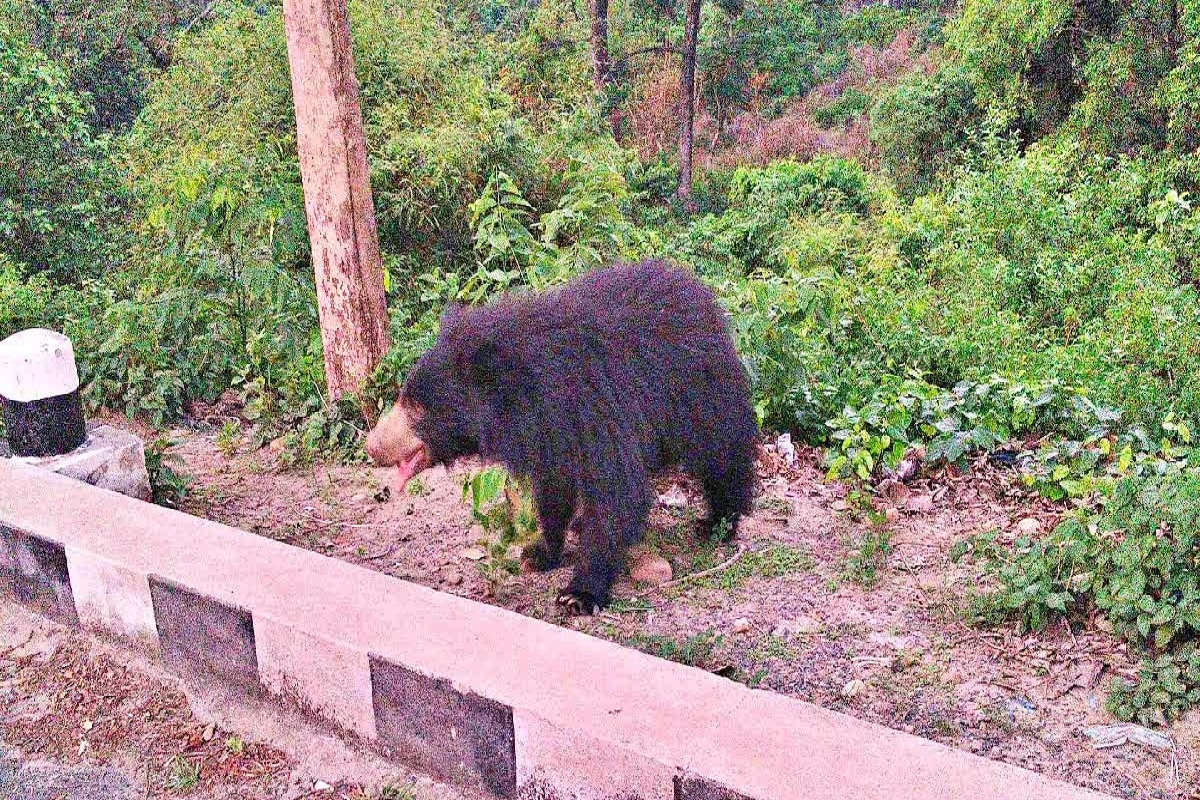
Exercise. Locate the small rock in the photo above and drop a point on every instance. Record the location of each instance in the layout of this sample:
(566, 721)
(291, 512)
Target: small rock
(513, 553)
(673, 498)
(209, 733)
(321, 786)
(452, 577)
(651, 569)
(891, 514)
(840, 505)
(741, 625)
(473, 554)
(800, 626)
(1104, 736)
(1030, 526)
(920, 504)
(854, 688)
(86, 725)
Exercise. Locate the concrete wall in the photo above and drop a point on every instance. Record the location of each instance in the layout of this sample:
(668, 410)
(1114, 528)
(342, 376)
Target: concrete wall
(469, 692)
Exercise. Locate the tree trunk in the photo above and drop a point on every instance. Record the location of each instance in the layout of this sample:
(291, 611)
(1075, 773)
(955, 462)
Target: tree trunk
(602, 65)
(601, 61)
(687, 102)
(337, 192)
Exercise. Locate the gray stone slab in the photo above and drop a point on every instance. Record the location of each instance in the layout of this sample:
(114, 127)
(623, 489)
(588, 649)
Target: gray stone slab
(110, 458)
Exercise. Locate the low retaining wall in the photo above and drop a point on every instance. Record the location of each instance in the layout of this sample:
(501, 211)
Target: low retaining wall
(469, 692)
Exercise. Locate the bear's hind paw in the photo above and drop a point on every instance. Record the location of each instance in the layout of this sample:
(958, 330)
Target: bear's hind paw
(580, 603)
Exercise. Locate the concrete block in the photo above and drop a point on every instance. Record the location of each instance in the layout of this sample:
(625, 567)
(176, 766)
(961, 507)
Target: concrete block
(453, 680)
(555, 763)
(112, 598)
(320, 676)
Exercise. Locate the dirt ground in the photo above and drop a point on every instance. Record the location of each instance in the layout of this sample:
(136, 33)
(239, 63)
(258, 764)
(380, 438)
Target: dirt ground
(80, 720)
(797, 611)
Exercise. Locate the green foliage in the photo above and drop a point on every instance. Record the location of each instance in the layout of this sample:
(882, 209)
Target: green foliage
(58, 189)
(877, 23)
(503, 507)
(1166, 688)
(694, 651)
(33, 302)
(868, 556)
(921, 124)
(1135, 562)
(971, 417)
(770, 562)
(183, 774)
(169, 485)
(851, 104)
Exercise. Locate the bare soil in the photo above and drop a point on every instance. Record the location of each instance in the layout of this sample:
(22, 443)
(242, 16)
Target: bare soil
(796, 611)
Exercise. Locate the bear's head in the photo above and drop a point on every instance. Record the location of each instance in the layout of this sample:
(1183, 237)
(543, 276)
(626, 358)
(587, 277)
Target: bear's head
(447, 402)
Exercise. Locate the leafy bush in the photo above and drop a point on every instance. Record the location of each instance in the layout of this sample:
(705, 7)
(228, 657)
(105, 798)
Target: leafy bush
(58, 187)
(1137, 562)
(920, 125)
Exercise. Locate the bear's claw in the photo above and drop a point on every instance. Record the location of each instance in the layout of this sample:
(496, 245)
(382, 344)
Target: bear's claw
(579, 603)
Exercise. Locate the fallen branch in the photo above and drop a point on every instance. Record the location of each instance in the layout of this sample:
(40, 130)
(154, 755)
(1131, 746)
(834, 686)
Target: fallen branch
(726, 564)
(17, 647)
(383, 554)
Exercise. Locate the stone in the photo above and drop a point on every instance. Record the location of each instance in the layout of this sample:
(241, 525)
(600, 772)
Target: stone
(800, 626)
(109, 458)
(452, 577)
(741, 625)
(1030, 526)
(673, 498)
(651, 569)
(854, 688)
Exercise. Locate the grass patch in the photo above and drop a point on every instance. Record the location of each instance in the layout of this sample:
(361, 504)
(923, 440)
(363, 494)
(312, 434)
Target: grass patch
(694, 651)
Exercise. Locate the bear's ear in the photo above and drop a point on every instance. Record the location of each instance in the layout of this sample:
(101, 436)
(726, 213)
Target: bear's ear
(495, 369)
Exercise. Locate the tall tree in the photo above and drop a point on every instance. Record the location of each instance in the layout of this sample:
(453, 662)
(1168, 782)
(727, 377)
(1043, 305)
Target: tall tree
(601, 60)
(602, 65)
(687, 102)
(337, 192)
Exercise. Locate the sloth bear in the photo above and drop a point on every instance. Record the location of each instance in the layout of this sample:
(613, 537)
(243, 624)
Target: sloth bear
(587, 390)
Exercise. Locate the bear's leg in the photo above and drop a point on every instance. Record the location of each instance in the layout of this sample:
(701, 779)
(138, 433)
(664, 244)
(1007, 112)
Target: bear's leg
(729, 489)
(555, 507)
(605, 530)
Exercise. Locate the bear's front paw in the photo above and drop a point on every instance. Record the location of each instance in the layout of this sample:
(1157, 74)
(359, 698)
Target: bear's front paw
(538, 558)
(581, 603)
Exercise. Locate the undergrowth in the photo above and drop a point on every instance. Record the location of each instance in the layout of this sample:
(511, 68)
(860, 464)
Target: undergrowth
(1135, 562)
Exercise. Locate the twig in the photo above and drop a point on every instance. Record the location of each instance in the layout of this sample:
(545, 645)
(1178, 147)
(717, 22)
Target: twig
(380, 555)
(208, 9)
(17, 647)
(325, 523)
(701, 574)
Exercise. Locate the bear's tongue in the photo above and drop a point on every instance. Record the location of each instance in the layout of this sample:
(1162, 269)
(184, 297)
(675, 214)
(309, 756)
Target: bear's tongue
(407, 469)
